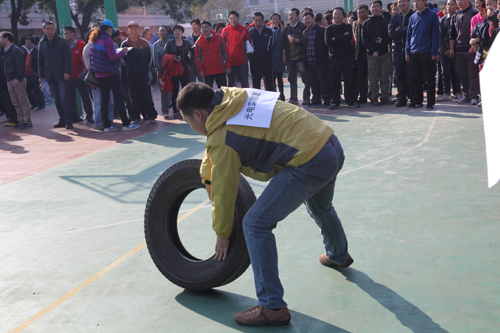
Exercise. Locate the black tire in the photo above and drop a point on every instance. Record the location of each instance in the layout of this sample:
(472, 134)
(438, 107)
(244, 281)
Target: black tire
(162, 237)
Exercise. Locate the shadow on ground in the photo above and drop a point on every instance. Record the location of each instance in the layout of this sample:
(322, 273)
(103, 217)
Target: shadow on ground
(407, 313)
(220, 306)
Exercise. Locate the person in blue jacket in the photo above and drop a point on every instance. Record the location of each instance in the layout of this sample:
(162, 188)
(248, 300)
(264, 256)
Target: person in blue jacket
(422, 44)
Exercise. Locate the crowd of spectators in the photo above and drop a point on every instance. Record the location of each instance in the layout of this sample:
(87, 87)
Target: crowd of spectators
(359, 54)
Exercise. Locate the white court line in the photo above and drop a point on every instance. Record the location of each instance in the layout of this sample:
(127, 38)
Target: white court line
(426, 138)
(424, 141)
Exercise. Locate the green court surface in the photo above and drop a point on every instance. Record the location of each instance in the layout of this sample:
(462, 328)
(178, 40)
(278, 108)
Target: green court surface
(423, 229)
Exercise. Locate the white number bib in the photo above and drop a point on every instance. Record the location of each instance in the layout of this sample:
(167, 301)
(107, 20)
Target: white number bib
(258, 109)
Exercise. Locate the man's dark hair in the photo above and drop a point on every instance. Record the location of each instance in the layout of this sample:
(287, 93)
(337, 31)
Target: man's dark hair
(196, 20)
(328, 17)
(259, 14)
(206, 22)
(70, 29)
(233, 12)
(295, 10)
(31, 38)
(362, 5)
(179, 27)
(353, 14)
(220, 25)
(195, 96)
(306, 9)
(8, 35)
(308, 14)
(46, 23)
(389, 6)
(377, 1)
(341, 9)
(318, 17)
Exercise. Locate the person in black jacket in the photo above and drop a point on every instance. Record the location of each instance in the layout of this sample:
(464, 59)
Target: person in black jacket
(15, 72)
(448, 64)
(5, 101)
(182, 50)
(54, 66)
(261, 63)
(138, 61)
(397, 31)
(338, 37)
(375, 36)
(35, 96)
(316, 60)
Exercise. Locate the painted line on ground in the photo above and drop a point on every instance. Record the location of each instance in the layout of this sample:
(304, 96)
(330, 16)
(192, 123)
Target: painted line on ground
(424, 141)
(73, 292)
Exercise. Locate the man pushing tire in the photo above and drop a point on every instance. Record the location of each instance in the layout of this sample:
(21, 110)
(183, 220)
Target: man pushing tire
(250, 132)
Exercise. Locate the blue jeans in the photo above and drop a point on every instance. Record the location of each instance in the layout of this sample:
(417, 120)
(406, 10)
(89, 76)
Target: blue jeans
(60, 92)
(312, 183)
(99, 124)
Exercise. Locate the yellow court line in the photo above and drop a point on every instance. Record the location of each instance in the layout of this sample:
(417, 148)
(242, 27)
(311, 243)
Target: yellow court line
(94, 277)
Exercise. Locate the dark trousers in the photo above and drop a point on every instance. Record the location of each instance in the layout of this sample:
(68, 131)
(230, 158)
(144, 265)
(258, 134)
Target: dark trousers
(242, 73)
(140, 94)
(439, 70)
(193, 73)
(337, 68)
(423, 63)
(60, 91)
(220, 79)
(449, 67)
(84, 94)
(262, 69)
(112, 83)
(34, 93)
(295, 67)
(320, 83)
(175, 81)
(403, 72)
(362, 76)
(7, 106)
(126, 93)
(468, 72)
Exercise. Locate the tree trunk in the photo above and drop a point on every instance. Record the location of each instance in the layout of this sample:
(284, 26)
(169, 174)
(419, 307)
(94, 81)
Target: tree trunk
(14, 18)
(84, 26)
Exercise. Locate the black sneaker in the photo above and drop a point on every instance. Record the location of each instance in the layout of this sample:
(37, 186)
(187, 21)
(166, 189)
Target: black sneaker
(178, 115)
(40, 108)
(353, 106)
(386, 101)
(59, 125)
(400, 104)
(306, 103)
(375, 102)
(415, 105)
(429, 106)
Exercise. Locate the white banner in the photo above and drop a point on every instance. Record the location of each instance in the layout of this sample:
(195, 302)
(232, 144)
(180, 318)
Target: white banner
(491, 111)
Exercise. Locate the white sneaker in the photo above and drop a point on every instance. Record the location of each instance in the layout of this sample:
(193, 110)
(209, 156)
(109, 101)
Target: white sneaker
(444, 98)
(130, 127)
(474, 101)
(479, 105)
(109, 129)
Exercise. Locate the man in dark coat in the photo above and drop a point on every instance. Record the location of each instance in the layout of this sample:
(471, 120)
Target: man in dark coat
(54, 66)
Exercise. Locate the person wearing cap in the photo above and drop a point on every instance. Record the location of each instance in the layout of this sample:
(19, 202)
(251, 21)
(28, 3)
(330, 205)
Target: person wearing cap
(137, 63)
(105, 63)
(54, 66)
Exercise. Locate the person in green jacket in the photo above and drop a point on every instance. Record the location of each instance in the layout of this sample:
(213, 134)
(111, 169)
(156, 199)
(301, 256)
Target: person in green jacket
(250, 131)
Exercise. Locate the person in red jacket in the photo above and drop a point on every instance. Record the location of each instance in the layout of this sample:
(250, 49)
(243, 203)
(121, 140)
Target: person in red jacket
(236, 36)
(77, 67)
(212, 56)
